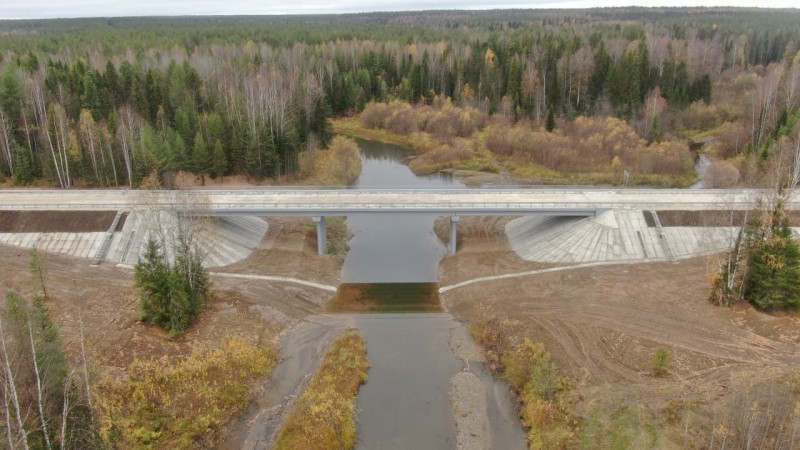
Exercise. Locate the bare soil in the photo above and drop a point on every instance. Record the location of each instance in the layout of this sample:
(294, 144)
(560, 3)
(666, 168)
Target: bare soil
(57, 221)
(603, 324)
(104, 299)
(709, 218)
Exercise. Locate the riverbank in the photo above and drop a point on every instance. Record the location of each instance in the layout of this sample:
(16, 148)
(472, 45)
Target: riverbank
(97, 306)
(603, 325)
(587, 151)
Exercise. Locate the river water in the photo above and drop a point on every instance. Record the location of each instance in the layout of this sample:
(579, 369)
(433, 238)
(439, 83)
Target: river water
(397, 248)
(392, 267)
(390, 294)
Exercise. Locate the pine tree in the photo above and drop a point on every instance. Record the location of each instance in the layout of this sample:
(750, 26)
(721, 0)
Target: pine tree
(151, 276)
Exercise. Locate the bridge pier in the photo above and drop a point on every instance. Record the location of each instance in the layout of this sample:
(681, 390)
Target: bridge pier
(453, 233)
(322, 234)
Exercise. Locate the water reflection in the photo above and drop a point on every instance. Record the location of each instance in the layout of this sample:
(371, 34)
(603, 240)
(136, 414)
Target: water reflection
(386, 297)
(393, 248)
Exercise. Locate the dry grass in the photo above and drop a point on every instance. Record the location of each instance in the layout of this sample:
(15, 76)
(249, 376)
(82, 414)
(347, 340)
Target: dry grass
(462, 154)
(338, 165)
(180, 403)
(324, 415)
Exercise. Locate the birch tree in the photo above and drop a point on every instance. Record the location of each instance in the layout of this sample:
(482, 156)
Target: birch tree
(5, 144)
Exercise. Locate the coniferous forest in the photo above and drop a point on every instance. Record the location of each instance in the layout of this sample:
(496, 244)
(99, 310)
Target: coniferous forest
(107, 102)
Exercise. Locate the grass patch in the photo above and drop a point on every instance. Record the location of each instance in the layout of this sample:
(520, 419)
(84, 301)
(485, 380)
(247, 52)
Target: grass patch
(546, 401)
(324, 415)
(660, 362)
(537, 173)
(338, 236)
(352, 127)
(183, 403)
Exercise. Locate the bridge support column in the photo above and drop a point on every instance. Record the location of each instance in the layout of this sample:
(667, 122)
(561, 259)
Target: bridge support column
(322, 234)
(453, 233)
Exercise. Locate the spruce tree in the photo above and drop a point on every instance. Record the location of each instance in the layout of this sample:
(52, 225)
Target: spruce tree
(774, 268)
(200, 158)
(550, 125)
(220, 160)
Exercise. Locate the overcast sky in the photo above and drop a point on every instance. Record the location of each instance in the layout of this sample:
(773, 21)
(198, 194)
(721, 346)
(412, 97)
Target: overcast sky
(27, 9)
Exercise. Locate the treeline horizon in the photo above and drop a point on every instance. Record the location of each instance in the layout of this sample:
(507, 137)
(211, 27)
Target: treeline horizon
(107, 102)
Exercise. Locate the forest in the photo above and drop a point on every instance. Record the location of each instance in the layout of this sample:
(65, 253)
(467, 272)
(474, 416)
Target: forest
(543, 96)
(108, 102)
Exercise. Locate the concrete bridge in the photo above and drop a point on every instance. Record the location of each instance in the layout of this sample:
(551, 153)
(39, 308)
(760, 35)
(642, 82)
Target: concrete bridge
(319, 203)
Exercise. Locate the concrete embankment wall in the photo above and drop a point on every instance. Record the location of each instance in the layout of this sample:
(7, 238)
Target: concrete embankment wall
(224, 240)
(611, 236)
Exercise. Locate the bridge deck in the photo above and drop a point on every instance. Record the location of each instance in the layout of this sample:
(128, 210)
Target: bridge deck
(577, 202)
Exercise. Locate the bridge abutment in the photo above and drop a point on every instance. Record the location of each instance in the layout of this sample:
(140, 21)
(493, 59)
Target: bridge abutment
(322, 234)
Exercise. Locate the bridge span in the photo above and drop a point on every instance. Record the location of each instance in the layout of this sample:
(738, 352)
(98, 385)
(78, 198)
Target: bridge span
(319, 203)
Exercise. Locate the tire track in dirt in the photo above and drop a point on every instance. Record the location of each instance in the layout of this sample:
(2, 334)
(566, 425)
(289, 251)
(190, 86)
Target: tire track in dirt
(608, 320)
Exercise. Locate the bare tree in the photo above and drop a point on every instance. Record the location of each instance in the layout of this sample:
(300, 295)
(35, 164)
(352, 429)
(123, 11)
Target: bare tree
(9, 384)
(39, 389)
(5, 143)
(89, 139)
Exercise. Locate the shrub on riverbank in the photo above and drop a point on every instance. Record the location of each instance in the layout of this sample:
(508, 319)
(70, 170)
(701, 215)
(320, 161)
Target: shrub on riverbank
(589, 145)
(338, 165)
(583, 150)
(324, 415)
(546, 405)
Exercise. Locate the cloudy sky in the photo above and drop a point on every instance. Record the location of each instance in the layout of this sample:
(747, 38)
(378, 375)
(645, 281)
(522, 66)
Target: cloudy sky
(25, 9)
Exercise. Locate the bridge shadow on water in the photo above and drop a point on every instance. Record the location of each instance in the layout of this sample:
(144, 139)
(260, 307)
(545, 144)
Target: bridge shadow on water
(385, 297)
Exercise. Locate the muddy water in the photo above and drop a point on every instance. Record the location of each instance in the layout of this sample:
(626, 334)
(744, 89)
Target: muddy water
(386, 297)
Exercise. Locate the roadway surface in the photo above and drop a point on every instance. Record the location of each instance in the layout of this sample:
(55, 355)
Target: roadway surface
(568, 201)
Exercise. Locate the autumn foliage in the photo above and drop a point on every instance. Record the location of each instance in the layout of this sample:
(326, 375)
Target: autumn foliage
(442, 119)
(588, 145)
(324, 415)
(546, 406)
(339, 164)
(180, 403)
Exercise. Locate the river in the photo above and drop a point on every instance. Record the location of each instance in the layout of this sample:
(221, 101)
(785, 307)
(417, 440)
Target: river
(390, 294)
